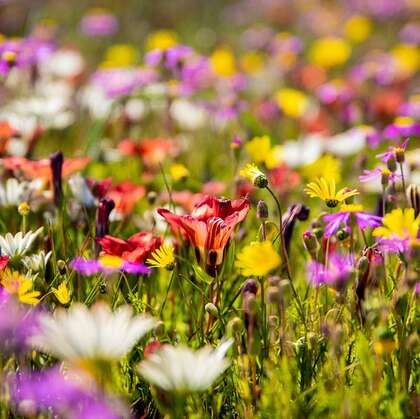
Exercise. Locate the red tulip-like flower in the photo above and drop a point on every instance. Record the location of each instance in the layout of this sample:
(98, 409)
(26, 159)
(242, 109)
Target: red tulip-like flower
(136, 249)
(209, 227)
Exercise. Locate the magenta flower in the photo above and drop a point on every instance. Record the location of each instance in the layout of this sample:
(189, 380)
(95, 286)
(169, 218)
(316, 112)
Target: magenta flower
(64, 395)
(107, 265)
(335, 274)
(377, 173)
(342, 218)
(391, 152)
(99, 23)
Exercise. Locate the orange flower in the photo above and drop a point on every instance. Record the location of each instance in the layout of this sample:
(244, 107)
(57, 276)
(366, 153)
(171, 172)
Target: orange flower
(152, 150)
(209, 227)
(40, 169)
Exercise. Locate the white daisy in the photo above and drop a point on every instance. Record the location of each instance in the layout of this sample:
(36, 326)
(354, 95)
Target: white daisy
(19, 244)
(88, 334)
(180, 369)
(13, 192)
(37, 262)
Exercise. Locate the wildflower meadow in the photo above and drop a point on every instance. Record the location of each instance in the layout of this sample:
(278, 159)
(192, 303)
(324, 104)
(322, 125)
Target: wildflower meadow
(209, 209)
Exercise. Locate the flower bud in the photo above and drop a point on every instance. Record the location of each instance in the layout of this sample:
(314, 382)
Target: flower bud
(362, 265)
(56, 164)
(61, 266)
(262, 210)
(250, 287)
(235, 325)
(311, 242)
(274, 295)
(250, 304)
(413, 196)
(400, 155)
(318, 232)
(106, 205)
(212, 309)
(23, 209)
(342, 234)
(261, 181)
(392, 164)
(385, 177)
(151, 197)
(274, 280)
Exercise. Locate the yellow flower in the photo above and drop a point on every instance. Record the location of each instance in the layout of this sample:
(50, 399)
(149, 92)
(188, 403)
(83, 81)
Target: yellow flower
(399, 224)
(111, 262)
(251, 62)
(259, 148)
(274, 157)
(254, 175)
(358, 28)
(163, 39)
(326, 166)
(385, 346)
(119, 55)
(257, 259)
(329, 52)
(407, 58)
(325, 189)
(292, 102)
(162, 257)
(19, 285)
(62, 293)
(351, 208)
(223, 62)
(178, 172)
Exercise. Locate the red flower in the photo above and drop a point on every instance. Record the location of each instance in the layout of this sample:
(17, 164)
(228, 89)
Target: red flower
(136, 249)
(125, 195)
(209, 227)
(4, 260)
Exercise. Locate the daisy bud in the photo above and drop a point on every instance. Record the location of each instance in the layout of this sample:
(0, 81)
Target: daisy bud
(56, 164)
(262, 210)
(385, 177)
(311, 243)
(400, 154)
(392, 164)
(413, 196)
(318, 232)
(250, 304)
(236, 143)
(23, 209)
(212, 309)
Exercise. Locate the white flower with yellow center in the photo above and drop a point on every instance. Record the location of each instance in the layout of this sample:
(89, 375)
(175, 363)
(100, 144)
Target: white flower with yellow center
(81, 334)
(182, 370)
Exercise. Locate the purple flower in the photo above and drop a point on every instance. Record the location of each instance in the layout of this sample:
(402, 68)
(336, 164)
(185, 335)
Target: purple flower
(117, 82)
(417, 288)
(99, 23)
(335, 274)
(88, 267)
(390, 153)
(397, 130)
(16, 323)
(65, 395)
(342, 218)
(377, 173)
(394, 245)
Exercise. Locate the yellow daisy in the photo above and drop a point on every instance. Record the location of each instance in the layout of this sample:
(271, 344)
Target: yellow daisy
(19, 285)
(399, 223)
(162, 258)
(258, 259)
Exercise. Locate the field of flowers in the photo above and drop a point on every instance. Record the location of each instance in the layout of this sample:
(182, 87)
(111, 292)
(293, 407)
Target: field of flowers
(209, 209)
